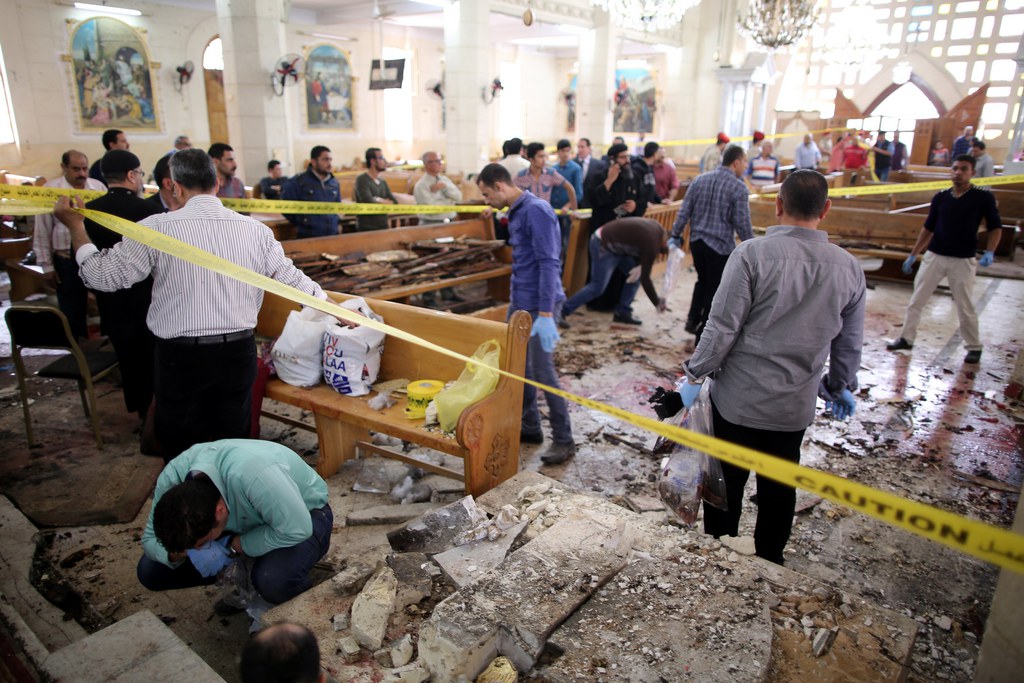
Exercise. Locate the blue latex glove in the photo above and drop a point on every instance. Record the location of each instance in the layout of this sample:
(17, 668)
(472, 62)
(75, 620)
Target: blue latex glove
(688, 392)
(843, 406)
(986, 259)
(212, 557)
(675, 243)
(545, 327)
(908, 265)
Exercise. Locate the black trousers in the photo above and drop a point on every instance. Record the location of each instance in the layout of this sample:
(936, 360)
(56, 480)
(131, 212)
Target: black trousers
(72, 296)
(123, 319)
(203, 392)
(776, 503)
(710, 265)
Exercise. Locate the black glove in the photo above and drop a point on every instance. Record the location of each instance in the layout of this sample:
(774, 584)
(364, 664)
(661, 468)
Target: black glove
(666, 403)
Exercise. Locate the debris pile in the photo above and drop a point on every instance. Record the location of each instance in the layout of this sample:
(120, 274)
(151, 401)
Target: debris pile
(422, 262)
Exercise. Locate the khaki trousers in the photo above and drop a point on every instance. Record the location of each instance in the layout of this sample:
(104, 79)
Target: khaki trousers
(960, 274)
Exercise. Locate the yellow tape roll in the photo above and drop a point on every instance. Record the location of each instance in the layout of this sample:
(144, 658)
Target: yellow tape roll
(419, 395)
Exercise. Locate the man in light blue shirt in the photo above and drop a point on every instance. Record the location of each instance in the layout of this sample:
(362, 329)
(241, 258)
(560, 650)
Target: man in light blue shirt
(573, 173)
(220, 500)
(807, 156)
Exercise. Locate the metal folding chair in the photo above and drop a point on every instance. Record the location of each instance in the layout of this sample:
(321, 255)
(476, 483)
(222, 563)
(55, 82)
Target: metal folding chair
(45, 327)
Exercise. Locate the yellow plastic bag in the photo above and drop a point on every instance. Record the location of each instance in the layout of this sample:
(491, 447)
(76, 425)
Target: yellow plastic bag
(473, 384)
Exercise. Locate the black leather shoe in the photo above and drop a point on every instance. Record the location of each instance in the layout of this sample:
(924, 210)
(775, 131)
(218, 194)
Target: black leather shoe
(531, 437)
(563, 323)
(558, 453)
(690, 327)
(626, 319)
(900, 344)
(973, 357)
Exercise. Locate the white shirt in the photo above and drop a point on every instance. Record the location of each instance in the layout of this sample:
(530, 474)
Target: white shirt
(514, 164)
(50, 234)
(447, 195)
(189, 300)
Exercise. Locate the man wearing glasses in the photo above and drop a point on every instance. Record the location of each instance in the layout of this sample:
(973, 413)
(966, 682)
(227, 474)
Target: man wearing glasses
(123, 312)
(435, 188)
(372, 189)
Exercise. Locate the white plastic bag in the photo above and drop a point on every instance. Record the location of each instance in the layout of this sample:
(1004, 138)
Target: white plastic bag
(672, 269)
(351, 359)
(298, 352)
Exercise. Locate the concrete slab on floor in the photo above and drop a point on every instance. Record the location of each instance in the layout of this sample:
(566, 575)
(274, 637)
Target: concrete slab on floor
(139, 648)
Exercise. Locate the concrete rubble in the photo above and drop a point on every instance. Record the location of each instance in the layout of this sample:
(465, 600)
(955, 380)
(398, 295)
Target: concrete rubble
(388, 514)
(439, 529)
(372, 607)
(352, 578)
(514, 609)
(465, 564)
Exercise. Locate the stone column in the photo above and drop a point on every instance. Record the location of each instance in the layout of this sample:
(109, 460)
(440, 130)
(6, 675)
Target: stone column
(1001, 658)
(595, 83)
(468, 68)
(253, 35)
(1017, 144)
(737, 96)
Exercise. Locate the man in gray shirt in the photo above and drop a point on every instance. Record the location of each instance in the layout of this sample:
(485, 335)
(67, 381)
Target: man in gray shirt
(984, 166)
(787, 302)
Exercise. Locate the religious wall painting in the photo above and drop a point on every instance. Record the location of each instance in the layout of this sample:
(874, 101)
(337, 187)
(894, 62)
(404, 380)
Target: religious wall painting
(112, 77)
(328, 85)
(569, 96)
(635, 101)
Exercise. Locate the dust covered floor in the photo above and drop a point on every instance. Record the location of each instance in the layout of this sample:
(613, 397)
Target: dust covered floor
(927, 428)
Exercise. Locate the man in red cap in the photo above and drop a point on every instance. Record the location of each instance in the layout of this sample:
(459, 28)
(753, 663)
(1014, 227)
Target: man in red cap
(712, 158)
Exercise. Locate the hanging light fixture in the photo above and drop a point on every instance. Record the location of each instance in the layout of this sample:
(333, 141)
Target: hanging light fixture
(646, 15)
(778, 23)
(902, 72)
(854, 39)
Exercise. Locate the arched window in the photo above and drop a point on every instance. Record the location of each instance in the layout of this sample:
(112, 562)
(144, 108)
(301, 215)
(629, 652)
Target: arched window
(213, 55)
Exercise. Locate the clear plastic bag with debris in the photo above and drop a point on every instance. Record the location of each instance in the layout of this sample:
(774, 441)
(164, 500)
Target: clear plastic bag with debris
(237, 590)
(689, 476)
(673, 267)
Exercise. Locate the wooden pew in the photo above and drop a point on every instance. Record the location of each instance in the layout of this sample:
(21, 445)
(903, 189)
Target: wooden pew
(487, 433)
(497, 278)
(27, 280)
(862, 232)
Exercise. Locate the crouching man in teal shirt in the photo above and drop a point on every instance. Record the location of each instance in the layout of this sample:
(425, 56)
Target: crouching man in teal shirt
(221, 500)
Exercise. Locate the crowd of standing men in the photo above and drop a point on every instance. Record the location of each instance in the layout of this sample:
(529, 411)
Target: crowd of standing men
(767, 314)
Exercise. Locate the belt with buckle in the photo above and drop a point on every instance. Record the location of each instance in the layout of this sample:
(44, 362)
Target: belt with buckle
(211, 338)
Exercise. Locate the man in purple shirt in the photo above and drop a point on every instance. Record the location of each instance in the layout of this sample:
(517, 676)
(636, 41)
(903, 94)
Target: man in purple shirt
(536, 288)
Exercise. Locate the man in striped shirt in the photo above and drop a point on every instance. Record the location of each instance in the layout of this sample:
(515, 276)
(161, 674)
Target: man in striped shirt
(203, 321)
(716, 207)
(52, 244)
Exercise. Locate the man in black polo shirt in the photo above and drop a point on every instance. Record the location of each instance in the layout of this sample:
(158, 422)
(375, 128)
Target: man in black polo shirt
(951, 235)
(123, 312)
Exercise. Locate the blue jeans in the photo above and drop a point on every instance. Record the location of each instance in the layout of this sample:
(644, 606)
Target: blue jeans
(540, 367)
(882, 173)
(603, 264)
(278, 576)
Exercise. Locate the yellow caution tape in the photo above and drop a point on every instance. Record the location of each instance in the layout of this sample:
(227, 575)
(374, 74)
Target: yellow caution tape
(270, 205)
(981, 540)
(899, 188)
(744, 138)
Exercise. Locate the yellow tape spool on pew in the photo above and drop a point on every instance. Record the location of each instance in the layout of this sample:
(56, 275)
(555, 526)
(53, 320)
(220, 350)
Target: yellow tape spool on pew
(420, 393)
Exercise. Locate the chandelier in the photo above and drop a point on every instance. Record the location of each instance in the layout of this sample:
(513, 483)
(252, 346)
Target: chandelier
(646, 15)
(854, 39)
(777, 23)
